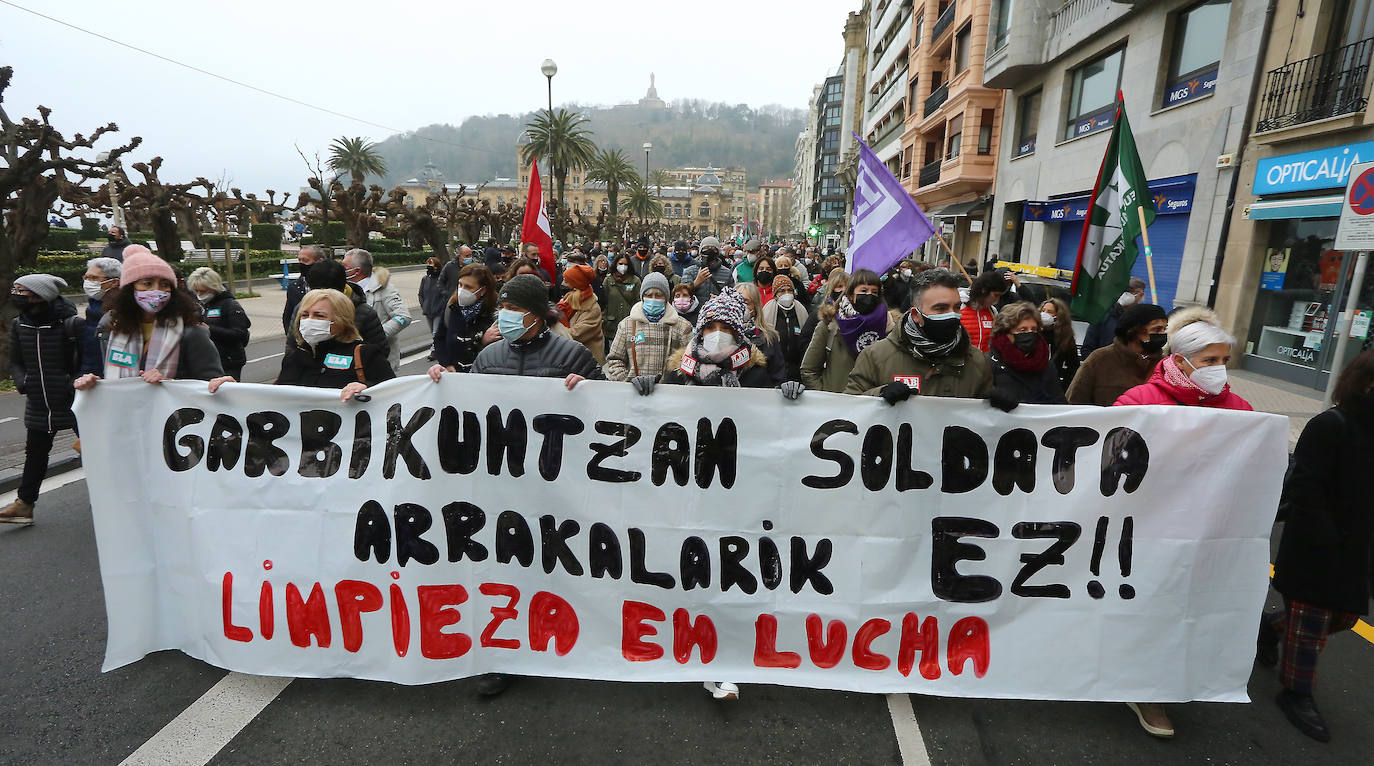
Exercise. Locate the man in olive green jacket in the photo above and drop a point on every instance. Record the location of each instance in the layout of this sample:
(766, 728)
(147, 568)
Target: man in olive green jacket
(928, 353)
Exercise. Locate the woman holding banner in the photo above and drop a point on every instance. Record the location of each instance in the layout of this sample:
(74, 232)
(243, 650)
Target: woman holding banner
(1323, 566)
(464, 326)
(846, 326)
(1193, 375)
(329, 351)
(1022, 369)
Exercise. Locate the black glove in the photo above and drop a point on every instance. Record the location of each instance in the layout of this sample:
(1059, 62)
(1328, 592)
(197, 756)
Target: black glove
(644, 384)
(791, 389)
(1003, 400)
(896, 391)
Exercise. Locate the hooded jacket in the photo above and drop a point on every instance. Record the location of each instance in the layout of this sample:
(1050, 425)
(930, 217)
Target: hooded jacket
(45, 355)
(642, 347)
(963, 373)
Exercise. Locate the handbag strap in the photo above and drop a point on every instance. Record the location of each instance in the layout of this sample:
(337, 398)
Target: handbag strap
(358, 364)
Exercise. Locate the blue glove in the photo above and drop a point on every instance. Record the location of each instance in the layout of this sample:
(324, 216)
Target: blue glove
(792, 389)
(644, 384)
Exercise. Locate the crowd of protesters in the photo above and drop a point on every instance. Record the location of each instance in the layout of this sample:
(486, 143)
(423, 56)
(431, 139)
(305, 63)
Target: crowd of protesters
(710, 314)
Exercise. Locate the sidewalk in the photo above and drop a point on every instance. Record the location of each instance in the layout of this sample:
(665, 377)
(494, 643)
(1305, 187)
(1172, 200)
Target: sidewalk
(265, 310)
(1298, 403)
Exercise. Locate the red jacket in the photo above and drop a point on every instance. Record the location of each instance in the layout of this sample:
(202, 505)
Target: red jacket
(978, 324)
(1158, 390)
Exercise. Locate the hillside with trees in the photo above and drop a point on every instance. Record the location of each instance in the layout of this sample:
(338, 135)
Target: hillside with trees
(687, 133)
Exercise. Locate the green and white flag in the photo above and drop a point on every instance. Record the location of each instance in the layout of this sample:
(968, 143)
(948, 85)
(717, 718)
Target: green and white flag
(1106, 250)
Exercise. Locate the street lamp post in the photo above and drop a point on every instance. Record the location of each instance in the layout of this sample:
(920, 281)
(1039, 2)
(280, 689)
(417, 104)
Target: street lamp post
(549, 69)
(647, 147)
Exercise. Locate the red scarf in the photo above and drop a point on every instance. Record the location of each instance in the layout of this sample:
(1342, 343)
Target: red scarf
(1007, 349)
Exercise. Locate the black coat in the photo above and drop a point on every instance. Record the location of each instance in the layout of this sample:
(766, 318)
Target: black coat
(457, 341)
(364, 318)
(228, 325)
(546, 356)
(45, 356)
(1041, 387)
(333, 364)
(1324, 554)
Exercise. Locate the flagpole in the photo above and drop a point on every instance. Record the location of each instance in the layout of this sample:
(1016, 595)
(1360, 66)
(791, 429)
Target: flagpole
(1149, 256)
(952, 259)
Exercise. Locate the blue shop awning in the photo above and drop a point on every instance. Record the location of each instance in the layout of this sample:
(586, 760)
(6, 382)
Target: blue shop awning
(1171, 196)
(1303, 207)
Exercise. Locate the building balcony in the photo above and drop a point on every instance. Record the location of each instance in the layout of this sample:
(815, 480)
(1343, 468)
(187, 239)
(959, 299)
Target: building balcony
(880, 104)
(1073, 23)
(1327, 85)
(930, 173)
(943, 23)
(936, 99)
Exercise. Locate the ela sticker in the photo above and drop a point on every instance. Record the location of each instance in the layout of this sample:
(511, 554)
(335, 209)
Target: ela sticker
(212, 313)
(338, 361)
(126, 359)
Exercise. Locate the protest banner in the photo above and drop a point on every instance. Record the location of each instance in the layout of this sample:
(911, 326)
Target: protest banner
(506, 524)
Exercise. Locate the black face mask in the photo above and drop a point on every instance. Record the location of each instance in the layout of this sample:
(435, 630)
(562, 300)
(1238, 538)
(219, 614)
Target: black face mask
(305, 272)
(24, 302)
(865, 303)
(712, 256)
(940, 330)
(764, 277)
(112, 237)
(433, 270)
(1155, 343)
(1026, 341)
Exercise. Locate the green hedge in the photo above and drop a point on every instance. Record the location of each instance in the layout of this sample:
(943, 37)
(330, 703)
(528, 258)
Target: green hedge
(61, 239)
(90, 229)
(213, 240)
(385, 245)
(266, 236)
(329, 236)
(140, 236)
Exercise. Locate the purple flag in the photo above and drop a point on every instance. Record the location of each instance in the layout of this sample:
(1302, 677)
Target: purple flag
(888, 225)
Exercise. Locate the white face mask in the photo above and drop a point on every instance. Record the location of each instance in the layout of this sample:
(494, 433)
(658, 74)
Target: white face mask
(906, 273)
(1127, 299)
(316, 331)
(1046, 319)
(466, 297)
(785, 300)
(93, 289)
(1211, 379)
(717, 341)
(621, 268)
(963, 295)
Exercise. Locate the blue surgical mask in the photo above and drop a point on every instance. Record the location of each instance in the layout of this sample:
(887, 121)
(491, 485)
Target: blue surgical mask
(654, 308)
(511, 324)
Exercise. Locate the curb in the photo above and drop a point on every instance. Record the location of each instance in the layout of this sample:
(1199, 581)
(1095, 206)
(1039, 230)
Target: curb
(58, 464)
(63, 462)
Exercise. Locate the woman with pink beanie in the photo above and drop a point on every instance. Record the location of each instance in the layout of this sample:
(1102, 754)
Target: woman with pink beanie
(152, 329)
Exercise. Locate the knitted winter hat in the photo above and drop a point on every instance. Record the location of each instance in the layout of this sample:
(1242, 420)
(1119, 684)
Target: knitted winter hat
(140, 263)
(45, 286)
(528, 292)
(728, 307)
(708, 242)
(781, 281)
(1135, 317)
(578, 276)
(654, 280)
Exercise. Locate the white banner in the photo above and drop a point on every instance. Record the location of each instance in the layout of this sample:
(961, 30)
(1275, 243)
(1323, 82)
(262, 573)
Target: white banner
(507, 524)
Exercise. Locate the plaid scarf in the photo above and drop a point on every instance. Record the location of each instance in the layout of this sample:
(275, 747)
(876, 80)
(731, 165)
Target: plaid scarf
(164, 351)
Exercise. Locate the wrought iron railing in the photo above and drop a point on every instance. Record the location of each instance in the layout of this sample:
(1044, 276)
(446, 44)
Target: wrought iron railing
(937, 97)
(1070, 13)
(942, 23)
(1326, 85)
(930, 173)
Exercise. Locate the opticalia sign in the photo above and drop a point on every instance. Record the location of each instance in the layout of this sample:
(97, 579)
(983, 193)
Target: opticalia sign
(1318, 169)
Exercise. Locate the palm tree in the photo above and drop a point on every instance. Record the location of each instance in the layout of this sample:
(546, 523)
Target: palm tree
(561, 141)
(356, 156)
(659, 178)
(612, 168)
(640, 202)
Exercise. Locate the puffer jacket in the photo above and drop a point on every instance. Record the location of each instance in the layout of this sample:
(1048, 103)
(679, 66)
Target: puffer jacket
(621, 295)
(721, 279)
(1158, 390)
(545, 356)
(641, 347)
(963, 373)
(228, 324)
(754, 374)
(978, 324)
(45, 356)
(386, 302)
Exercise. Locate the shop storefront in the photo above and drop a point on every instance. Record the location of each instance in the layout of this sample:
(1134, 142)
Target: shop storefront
(1173, 203)
(1304, 282)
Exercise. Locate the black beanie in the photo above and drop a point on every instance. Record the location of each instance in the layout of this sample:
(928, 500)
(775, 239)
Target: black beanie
(528, 292)
(1136, 317)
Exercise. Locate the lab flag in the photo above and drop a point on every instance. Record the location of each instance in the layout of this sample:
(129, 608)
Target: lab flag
(1106, 249)
(535, 229)
(888, 226)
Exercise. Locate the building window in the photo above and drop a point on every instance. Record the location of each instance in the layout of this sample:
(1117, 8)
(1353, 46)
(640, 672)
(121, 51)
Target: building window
(830, 187)
(834, 90)
(1001, 25)
(704, 211)
(985, 122)
(961, 44)
(828, 163)
(1199, 37)
(832, 116)
(1092, 96)
(831, 141)
(952, 144)
(1027, 118)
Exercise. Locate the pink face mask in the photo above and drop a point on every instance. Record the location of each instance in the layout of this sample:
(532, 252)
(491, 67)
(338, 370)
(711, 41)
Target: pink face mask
(152, 301)
(682, 304)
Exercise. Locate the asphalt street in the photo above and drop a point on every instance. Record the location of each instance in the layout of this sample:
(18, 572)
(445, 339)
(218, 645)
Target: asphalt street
(60, 709)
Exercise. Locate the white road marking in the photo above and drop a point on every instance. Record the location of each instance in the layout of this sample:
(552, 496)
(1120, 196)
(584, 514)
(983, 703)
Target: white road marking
(204, 728)
(6, 420)
(910, 743)
(415, 357)
(48, 485)
(265, 358)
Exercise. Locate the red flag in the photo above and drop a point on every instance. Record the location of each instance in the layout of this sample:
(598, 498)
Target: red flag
(535, 229)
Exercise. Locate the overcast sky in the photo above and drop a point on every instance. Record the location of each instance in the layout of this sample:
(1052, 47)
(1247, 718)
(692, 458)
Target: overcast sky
(403, 65)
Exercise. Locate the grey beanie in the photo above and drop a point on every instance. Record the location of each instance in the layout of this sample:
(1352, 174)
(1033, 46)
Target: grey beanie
(655, 279)
(753, 245)
(45, 286)
(528, 292)
(710, 242)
